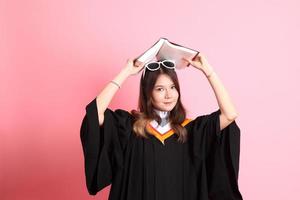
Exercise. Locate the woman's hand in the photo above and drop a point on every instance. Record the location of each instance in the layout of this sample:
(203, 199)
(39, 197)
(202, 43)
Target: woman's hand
(133, 68)
(200, 62)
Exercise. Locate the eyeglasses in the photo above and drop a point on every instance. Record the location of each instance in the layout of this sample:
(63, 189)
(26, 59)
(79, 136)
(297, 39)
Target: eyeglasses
(155, 65)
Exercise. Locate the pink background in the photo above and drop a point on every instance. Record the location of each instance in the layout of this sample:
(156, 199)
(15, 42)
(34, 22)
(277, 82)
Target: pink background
(56, 56)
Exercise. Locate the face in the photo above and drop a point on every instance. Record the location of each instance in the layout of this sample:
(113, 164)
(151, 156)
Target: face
(164, 94)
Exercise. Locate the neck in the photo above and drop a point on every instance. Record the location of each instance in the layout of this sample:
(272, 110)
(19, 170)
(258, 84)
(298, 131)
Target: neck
(164, 115)
(161, 113)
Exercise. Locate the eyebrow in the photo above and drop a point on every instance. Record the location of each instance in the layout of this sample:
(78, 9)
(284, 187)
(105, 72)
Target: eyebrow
(163, 85)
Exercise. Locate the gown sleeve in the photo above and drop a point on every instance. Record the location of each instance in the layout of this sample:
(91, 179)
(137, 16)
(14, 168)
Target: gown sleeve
(103, 145)
(219, 151)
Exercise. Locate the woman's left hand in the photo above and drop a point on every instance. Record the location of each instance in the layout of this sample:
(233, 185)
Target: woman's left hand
(200, 62)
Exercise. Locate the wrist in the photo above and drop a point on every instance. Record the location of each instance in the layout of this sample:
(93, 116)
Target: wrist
(208, 71)
(120, 78)
(209, 74)
(125, 71)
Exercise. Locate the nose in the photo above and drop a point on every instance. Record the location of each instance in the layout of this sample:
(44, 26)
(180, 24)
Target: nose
(168, 93)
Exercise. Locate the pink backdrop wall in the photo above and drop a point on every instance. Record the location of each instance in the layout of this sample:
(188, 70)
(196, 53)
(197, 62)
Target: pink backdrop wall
(56, 56)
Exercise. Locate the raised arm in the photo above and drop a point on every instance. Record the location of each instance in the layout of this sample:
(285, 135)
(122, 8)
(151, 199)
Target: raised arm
(228, 111)
(227, 108)
(106, 95)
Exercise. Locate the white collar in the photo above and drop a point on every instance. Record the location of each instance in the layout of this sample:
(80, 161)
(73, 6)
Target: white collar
(161, 130)
(164, 115)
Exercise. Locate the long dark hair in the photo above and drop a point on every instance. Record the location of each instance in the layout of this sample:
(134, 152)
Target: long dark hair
(146, 113)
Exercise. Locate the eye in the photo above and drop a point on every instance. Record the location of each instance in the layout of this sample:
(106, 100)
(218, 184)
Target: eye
(159, 89)
(173, 86)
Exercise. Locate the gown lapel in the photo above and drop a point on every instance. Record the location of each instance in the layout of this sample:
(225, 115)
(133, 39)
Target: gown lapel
(163, 136)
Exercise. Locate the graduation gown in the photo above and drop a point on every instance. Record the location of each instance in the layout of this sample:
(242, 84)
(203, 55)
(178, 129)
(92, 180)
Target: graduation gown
(160, 168)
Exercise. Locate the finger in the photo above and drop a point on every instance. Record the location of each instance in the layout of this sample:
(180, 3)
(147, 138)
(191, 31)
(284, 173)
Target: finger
(138, 63)
(201, 54)
(187, 60)
(200, 59)
(129, 62)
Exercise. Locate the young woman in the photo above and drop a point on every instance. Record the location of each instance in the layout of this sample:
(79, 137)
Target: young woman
(155, 152)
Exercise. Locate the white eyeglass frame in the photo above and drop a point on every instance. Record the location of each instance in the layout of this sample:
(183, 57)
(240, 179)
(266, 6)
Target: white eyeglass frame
(159, 62)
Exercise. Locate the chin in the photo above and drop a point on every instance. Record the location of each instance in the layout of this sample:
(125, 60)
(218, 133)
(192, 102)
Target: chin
(167, 108)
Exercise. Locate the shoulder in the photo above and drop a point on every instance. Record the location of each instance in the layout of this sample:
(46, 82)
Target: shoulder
(202, 119)
(186, 121)
(123, 116)
(122, 111)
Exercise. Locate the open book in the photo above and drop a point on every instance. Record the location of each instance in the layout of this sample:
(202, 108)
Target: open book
(164, 49)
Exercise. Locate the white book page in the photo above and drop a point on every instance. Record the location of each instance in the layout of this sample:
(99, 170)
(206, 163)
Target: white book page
(176, 53)
(152, 52)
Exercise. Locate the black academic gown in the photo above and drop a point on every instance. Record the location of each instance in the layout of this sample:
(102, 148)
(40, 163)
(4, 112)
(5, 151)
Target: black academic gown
(204, 168)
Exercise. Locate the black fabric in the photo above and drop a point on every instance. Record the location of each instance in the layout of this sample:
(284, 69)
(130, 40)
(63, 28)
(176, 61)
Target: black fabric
(204, 168)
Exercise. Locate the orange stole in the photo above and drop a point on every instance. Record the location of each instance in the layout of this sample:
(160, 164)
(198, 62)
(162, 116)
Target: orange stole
(163, 137)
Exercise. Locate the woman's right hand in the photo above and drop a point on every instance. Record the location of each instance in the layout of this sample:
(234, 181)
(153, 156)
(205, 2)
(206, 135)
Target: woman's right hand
(132, 68)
